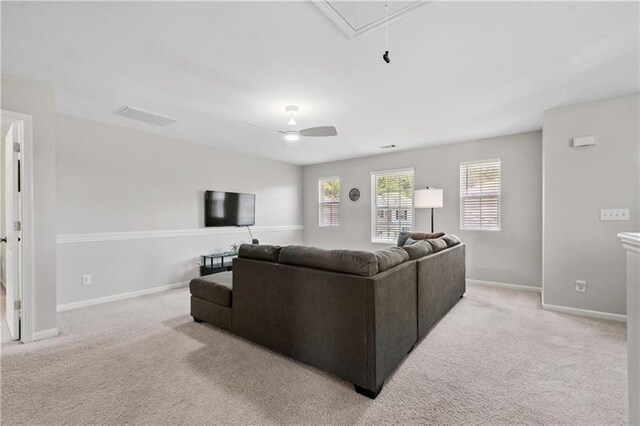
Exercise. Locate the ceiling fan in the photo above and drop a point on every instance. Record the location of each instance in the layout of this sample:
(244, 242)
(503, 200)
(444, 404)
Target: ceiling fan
(294, 135)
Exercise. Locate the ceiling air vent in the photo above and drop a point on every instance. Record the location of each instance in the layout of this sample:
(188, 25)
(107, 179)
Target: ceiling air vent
(146, 116)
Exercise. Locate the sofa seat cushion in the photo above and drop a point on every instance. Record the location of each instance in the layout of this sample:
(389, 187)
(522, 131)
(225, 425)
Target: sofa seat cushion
(215, 288)
(437, 244)
(420, 249)
(389, 258)
(352, 262)
(259, 252)
(416, 236)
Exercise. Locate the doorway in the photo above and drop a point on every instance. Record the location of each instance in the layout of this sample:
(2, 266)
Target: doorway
(15, 227)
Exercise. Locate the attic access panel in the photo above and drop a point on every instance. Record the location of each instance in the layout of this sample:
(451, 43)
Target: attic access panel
(355, 18)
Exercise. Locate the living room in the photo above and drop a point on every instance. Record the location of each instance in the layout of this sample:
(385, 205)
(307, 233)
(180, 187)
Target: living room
(124, 124)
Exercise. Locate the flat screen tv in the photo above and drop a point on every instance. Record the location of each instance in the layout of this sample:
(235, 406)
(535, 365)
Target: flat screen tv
(229, 209)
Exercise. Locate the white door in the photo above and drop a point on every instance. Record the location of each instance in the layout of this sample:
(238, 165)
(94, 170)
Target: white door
(11, 237)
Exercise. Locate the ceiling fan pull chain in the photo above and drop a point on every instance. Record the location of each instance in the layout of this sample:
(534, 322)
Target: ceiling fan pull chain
(386, 26)
(386, 33)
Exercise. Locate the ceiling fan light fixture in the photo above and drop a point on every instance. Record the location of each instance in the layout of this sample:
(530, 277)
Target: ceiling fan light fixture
(291, 137)
(292, 122)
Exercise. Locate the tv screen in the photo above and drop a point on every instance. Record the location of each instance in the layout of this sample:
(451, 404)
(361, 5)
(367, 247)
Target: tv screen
(229, 209)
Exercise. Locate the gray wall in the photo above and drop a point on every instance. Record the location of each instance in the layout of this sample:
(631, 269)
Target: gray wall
(512, 255)
(26, 97)
(114, 180)
(578, 183)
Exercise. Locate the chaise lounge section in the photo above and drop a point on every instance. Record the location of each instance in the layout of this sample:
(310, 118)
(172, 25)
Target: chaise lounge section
(211, 297)
(353, 314)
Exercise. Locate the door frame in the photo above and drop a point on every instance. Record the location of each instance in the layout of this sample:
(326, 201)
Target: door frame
(24, 125)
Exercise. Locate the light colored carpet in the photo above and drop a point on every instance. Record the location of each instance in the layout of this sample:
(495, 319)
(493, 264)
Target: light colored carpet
(496, 358)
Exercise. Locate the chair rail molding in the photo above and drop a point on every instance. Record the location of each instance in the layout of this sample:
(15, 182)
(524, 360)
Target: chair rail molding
(631, 242)
(175, 233)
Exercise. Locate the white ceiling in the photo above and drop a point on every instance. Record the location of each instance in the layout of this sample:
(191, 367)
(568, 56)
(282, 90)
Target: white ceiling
(458, 70)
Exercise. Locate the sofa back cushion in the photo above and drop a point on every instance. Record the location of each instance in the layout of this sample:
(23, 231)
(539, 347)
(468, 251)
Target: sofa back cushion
(415, 236)
(437, 244)
(420, 249)
(391, 257)
(451, 240)
(353, 262)
(260, 252)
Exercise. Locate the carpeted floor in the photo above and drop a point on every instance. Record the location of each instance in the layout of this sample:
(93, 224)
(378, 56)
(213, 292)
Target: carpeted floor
(496, 358)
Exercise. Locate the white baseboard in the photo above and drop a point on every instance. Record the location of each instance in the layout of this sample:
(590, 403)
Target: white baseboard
(120, 296)
(504, 285)
(585, 313)
(45, 334)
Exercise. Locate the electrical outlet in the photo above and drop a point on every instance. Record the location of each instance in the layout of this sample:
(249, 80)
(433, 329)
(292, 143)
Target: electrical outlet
(581, 286)
(86, 279)
(614, 214)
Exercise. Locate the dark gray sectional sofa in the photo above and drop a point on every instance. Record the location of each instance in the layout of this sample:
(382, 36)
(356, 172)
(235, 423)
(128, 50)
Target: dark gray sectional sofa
(353, 314)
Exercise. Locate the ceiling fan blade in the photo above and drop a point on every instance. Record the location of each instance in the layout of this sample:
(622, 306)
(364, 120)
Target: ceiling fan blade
(319, 131)
(265, 128)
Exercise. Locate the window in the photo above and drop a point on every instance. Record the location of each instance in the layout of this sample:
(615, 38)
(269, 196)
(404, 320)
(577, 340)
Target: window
(391, 204)
(480, 195)
(329, 191)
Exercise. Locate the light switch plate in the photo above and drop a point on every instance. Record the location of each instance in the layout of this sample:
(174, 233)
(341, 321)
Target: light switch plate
(614, 214)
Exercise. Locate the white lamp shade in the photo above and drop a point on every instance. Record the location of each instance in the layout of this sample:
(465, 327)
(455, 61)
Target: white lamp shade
(428, 198)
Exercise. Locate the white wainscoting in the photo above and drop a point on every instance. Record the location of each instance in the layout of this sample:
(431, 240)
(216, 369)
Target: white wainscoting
(135, 263)
(120, 296)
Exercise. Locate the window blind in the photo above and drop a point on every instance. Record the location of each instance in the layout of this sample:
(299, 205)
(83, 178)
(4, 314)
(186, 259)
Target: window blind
(391, 204)
(480, 195)
(329, 192)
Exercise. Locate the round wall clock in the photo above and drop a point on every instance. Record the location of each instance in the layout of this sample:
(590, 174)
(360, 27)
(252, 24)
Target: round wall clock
(354, 194)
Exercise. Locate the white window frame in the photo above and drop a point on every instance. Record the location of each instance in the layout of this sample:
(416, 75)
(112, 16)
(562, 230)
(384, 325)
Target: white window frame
(480, 196)
(320, 202)
(373, 176)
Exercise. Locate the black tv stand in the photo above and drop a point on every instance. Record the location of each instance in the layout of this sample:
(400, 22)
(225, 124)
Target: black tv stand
(217, 262)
